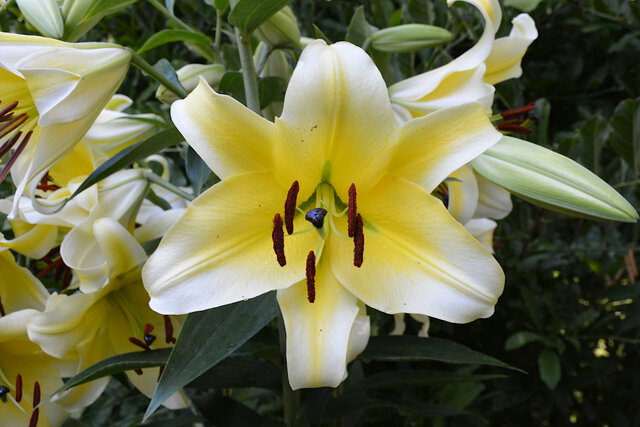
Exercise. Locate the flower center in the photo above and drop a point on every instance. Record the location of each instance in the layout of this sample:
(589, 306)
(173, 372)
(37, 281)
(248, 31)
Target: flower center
(321, 218)
(11, 133)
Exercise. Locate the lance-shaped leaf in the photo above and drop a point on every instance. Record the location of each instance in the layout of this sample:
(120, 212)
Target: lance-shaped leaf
(551, 180)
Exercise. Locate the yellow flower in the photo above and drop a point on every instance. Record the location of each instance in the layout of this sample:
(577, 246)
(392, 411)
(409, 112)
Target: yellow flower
(339, 164)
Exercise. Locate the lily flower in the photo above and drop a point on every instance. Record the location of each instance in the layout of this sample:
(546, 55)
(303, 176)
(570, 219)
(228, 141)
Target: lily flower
(51, 92)
(114, 320)
(351, 188)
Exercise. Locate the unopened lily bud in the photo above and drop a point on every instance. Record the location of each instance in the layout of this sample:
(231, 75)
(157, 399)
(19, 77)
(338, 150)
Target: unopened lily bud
(281, 29)
(552, 181)
(408, 38)
(189, 76)
(44, 15)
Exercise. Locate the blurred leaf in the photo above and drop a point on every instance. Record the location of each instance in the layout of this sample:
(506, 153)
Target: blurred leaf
(157, 200)
(320, 35)
(207, 337)
(165, 68)
(359, 29)
(247, 15)
(549, 366)
(410, 348)
(221, 5)
(416, 377)
(523, 5)
(170, 4)
(169, 36)
(519, 339)
(159, 141)
(107, 7)
(420, 11)
(235, 372)
(231, 84)
(460, 395)
(592, 136)
(625, 132)
(271, 89)
(226, 412)
(197, 170)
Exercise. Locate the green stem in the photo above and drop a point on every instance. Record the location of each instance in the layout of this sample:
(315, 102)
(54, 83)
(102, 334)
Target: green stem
(218, 33)
(152, 177)
(172, 18)
(290, 398)
(143, 65)
(249, 77)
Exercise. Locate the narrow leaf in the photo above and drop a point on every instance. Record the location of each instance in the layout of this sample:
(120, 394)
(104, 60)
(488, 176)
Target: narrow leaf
(247, 15)
(169, 36)
(359, 29)
(106, 7)
(416, 377)
(519, 339)
(625, 132)
(549, 366)
(207, 337)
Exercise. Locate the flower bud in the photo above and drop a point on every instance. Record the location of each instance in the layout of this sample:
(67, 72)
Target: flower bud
(189, 76)
(408, 38)
(552, 181)
(44, 15)
(281, 29)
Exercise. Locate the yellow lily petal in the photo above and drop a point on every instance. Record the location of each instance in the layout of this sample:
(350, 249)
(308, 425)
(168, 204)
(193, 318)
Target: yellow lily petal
(336, 121)
(34, 241)
(463, 194)
(19, 289)
(432, 147)
(318, 333)
(229, 137)
(220, 251)
(360, 332)
(417, 259)
(120, 249)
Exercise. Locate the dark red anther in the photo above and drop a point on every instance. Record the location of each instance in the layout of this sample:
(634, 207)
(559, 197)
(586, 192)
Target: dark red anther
(13, 124)
(358, 241)
(290, 206)
(311, 277)
(515, 127)
(168, 330)
(2, 312)
(33, 421)
(50, 267)
(136, 341)
(18, 388)
(517, 112)
(161, 370)
(4, 149)
(59, 271)
(15, 155)
(278, 240)
(352, 210)
(7, 109)
(148, 328)
(67, 279)
(138, 371)
(36, 394)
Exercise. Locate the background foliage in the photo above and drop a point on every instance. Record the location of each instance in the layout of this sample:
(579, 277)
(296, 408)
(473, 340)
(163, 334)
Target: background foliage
(570, 313)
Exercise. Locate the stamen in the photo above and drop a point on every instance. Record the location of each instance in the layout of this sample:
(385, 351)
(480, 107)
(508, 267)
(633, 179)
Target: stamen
(67, 278)
(13, 124)
(148, 328)
(15, 155)
(358, 240)
(50, 267)
(278, 240)
(311, 277)
(351, 211)
(36, 394)
(136, 341)
(4, 149)
(7, 109)
(514, 127)
(33, 422)
(18, 388)
(516, 112)
(138, 371)
(316, 217)
(2, 312)
(168, 330)
(290, 206)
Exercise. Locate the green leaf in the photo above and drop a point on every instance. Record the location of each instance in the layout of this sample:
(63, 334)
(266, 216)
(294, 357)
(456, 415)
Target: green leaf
(165, 68)
(549, 366)
(551, 180)
(129, 155)
(225, 411)
(523, 5)
(197, 170)
(220, 5)
(416, 377)
(625, 132)
(116, 364)
(592, 136)
(271, 89)
(169, 36)
(520, 339)
(236, 372)
(410, 348)
(247, 15)
(207, 337)
(231, 84)
(359, 29)
(320, 35)
(106, 7)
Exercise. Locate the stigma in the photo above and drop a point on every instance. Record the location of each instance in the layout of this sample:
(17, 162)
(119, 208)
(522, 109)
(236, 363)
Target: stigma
(316, 217)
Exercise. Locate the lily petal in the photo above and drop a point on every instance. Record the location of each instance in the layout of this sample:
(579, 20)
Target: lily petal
(120, 249)
(19, 289)
(417, 259)
(482, 229)
(220, 251)
(318, 333)
(337, 120)
(432, 147)
(230, 138)
(463, 194)
(33, 241)
(493, 200)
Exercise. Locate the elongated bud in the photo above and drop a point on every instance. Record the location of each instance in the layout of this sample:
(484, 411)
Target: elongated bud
(409, 37)
(280, 30)
(552, 181)
(189, 76)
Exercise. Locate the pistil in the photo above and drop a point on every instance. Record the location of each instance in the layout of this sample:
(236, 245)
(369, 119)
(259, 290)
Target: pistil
(311, 277)
(290, 206)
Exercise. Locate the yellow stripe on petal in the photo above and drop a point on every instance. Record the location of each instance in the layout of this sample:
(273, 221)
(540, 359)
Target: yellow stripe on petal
(318, 333)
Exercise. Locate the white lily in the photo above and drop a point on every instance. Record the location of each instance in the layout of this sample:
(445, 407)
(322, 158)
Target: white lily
(44, 15)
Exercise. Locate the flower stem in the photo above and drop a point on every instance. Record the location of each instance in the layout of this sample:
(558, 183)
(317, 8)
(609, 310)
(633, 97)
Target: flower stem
(172, 18)
(290, 398)
(249, 77)
(152, 177)
(144, 66)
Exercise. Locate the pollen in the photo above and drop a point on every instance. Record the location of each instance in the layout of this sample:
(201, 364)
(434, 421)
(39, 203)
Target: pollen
(290, 206)
(352, 211)
(278, 240)
(358, 241)
(311, 277)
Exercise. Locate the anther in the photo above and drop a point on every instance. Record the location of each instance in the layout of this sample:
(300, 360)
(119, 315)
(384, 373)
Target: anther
(515, 127)
(168, 330)
(15, 154)
(18, 388)
(7, 109)
(358, 241)
(136, 341)
(33, 422)
(2, 312)
(517, 112)
(4, 390)
(351, 210)
(67, 279)
(36, 394)
(316, 217)
(278, 240)
(138, 371)
(290, 206)
(311, 277)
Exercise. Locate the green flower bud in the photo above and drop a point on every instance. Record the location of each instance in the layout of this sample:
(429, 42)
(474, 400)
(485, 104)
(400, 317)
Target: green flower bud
(552, 181)
(44, 15)
(409, 37)
(189, 76)
(280, 30)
